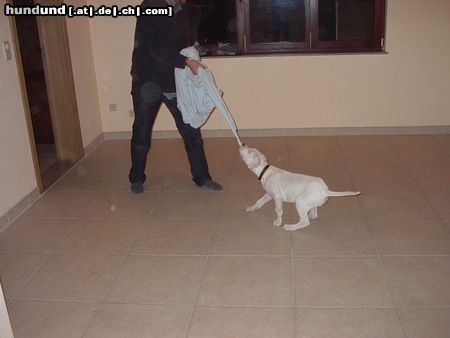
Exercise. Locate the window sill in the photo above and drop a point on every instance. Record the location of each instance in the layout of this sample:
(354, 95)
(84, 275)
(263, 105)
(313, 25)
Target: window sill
(278, 54)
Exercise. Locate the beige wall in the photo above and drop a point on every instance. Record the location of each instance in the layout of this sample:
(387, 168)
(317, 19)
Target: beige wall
(17, 177)
(84, 75)
(409, 86)
(5, 324)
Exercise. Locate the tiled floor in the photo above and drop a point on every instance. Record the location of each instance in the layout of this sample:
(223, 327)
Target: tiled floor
(90, 259)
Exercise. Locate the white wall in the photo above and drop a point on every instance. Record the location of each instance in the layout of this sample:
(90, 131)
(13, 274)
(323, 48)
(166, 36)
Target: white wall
(17, 177)
(409, 86)
(5, 324)
(84, 75)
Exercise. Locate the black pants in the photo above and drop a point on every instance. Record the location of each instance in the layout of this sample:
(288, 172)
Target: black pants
(145, 111)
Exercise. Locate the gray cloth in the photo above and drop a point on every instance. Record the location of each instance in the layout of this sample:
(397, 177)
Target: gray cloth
(170, 96)
(198, 95)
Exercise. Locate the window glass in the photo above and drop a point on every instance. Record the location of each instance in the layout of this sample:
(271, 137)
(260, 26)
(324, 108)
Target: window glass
(277, 20)
(346, 19)
(213, 21)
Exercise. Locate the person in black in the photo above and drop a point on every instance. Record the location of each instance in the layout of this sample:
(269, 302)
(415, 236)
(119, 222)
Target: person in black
(157, 44)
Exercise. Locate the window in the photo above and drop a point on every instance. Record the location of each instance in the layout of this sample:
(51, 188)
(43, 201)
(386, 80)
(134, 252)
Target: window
(271, 26)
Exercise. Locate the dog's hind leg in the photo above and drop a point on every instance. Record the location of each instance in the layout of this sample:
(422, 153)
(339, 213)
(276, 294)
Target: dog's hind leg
(303, 214)
(313, 213)
(279, 211)
(260, 203)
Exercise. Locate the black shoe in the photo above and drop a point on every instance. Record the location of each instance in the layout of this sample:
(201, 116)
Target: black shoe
(211, 185)
(137, 187)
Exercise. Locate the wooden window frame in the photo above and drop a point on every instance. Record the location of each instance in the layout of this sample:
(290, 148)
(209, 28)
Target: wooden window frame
(312, 44)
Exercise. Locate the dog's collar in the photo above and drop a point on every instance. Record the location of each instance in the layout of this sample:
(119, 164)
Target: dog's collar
(263, 171)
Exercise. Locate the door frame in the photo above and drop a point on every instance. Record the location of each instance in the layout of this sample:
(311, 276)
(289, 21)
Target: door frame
(66, 127)
(25, 103)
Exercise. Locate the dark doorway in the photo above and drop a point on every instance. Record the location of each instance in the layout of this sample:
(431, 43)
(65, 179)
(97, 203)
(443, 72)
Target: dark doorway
(51, 168)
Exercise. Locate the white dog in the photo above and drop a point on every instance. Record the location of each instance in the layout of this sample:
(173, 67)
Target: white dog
(307, 192)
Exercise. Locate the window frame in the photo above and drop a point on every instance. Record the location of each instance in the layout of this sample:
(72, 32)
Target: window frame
(271, 47)
(376, 44)
(312, 44)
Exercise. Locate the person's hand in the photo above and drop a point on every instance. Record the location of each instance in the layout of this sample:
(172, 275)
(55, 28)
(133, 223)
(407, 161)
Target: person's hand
(194, 65)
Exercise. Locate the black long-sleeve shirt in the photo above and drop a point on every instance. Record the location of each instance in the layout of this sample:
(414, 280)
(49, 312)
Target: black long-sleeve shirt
(158, 41)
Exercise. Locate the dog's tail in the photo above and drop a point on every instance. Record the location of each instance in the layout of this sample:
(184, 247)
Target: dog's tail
(343, 193)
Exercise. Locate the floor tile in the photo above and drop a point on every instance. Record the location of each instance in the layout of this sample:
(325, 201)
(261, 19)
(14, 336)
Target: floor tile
(395, 204)
(443, 140)
(16, 269)
(35, 235)
(410, 237)
(340, 209)
(417, 156)
(419, 281)
(175, 237)
(115, 204)
(73, 277)
(101, 236)
(227, 146)
(369, 152)
(120, 182)
(133, 321)
(226, 322)
(340, 282)
(158, 280)
(268, 144)
(380, 158)
(88, 175)
(317, 158)
(183, 181)
(348, 323)
(39, 319)
(447, 222)
(359, 142)
(247, 281)
(333, 238)
(382, 179)
(312, 142)
(425, 323)
(242, 179)
(440, 201)
(112, 150)
(250, 237)
(235, 203)
(189, 205)
(411, 142)
(248, 286)
(434, 177)
(61, 204)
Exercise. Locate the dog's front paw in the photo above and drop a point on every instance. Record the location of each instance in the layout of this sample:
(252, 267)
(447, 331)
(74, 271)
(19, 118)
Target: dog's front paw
(277, 222)
(250, 209)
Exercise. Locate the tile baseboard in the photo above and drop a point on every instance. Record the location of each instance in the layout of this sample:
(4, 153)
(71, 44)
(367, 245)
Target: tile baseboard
(20, 207)
(283, 132)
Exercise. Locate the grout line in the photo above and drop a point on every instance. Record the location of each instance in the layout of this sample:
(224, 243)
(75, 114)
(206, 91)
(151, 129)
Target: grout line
(45, 260)
(385, 277)
(111, 283)
(202, 278)
(234, 305)
(397, 310)
(422, 190)
(293, 283)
